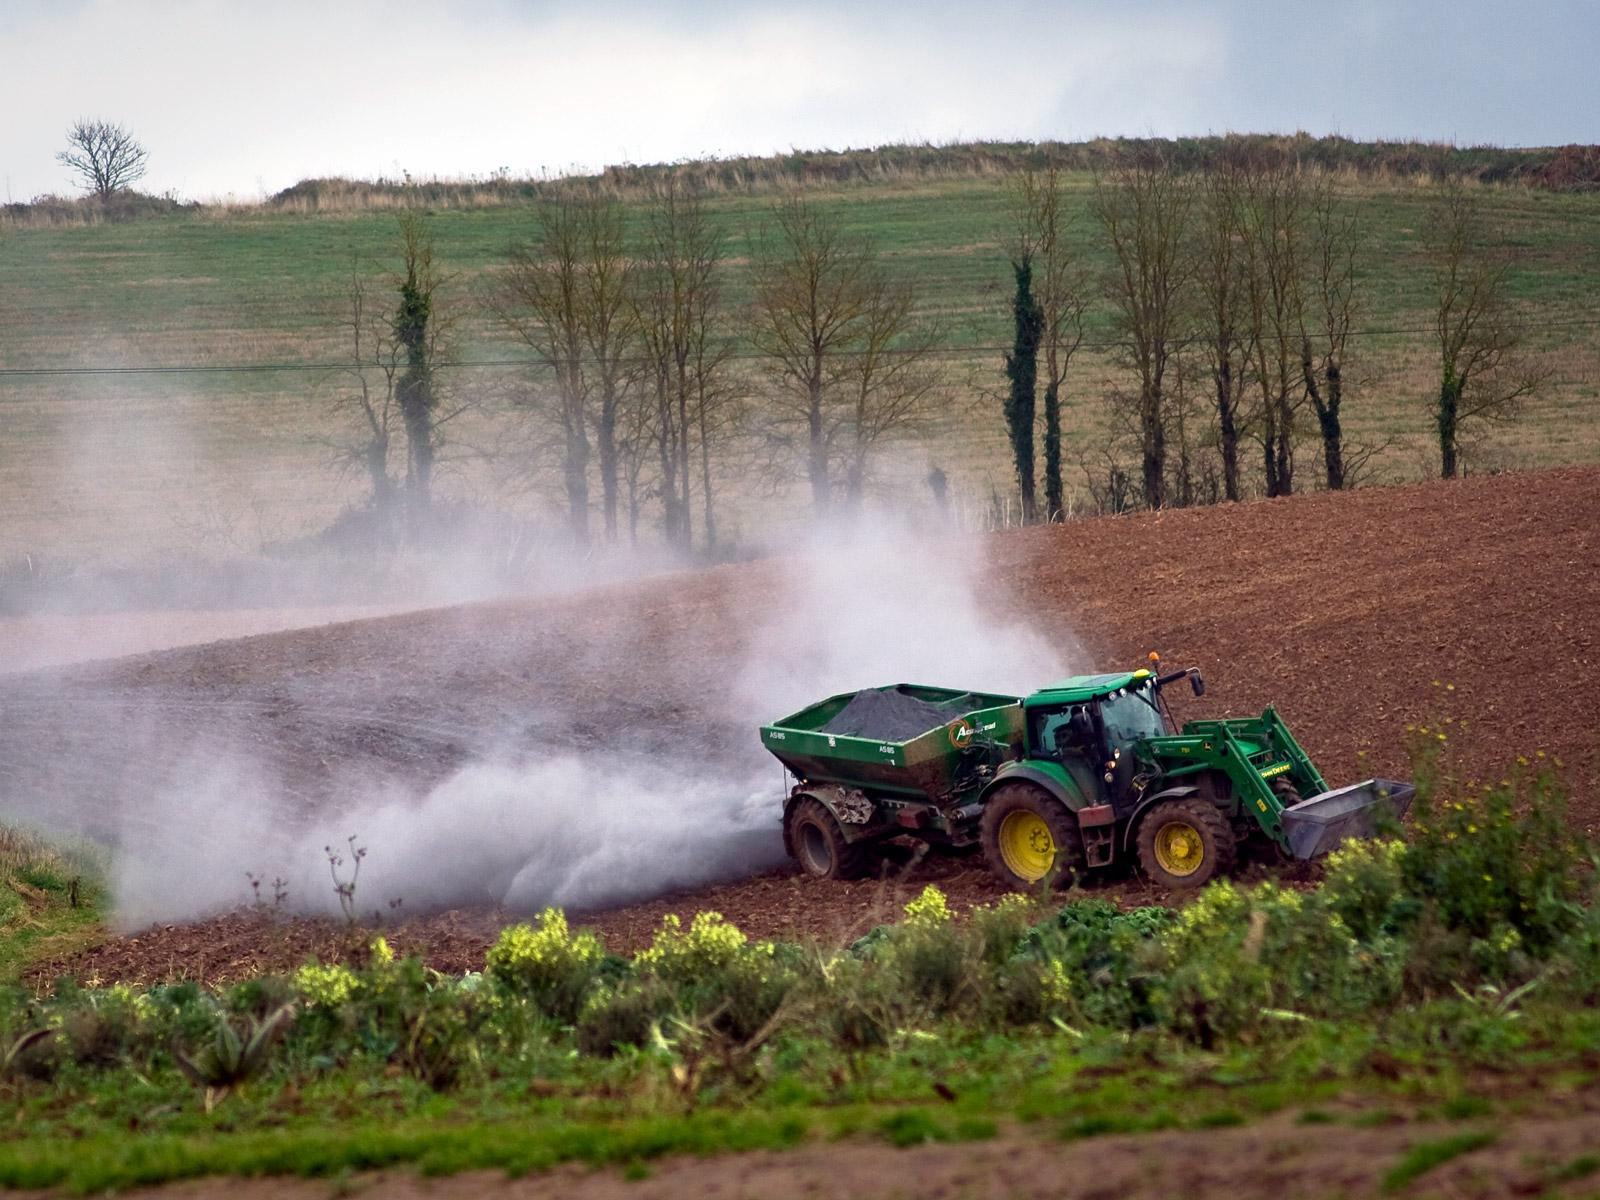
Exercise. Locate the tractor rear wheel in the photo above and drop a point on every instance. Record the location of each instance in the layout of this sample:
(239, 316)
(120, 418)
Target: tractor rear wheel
(1029, 836)
(818, 843)
(1186, 843)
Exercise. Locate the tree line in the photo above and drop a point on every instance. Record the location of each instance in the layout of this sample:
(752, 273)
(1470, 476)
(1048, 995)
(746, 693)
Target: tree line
(633, 390)
(1231, 297)
(1233, 293)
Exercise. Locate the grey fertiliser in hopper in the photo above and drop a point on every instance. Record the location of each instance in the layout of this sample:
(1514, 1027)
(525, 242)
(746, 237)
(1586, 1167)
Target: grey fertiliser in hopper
(892, 715)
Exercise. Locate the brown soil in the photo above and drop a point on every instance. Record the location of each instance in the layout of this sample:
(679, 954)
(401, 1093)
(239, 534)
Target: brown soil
(1358, 614)
(1269, 1160)
(57, 640)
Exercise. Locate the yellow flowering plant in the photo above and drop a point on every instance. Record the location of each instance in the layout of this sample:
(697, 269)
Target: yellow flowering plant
(326, 986)
(547, 962)
(710, 943)
(929, 908)
(1494, 858)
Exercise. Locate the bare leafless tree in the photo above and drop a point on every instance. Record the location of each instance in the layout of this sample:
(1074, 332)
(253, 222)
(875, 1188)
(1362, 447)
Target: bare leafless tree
(1485, 371)
(1273, 228)
(1277, 274)
(540, 299)
(1144, 206)
(636, 438)
(814, 284)
(888, 381)
(1192, 476)
(677, 303)
(720, 394)
(846, 348)
(609, 323)
(1327, 307)
(367, 400)
(1220, 272)
(567, 296)
(105, 157)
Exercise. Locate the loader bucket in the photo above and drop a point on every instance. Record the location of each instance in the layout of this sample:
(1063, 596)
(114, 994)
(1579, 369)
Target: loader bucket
(1320, 824)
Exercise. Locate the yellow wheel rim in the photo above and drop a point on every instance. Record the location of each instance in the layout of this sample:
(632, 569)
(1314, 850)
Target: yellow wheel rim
(1179, 848)
(1026, 846)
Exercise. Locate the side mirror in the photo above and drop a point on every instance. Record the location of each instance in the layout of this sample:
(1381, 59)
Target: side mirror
(1196, 683)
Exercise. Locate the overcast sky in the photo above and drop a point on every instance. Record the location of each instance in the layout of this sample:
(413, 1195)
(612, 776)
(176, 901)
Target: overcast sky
(246, 98)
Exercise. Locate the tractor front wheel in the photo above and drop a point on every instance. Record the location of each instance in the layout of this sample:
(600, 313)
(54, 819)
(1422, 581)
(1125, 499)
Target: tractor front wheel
(819, 846)
(1185, 843)
(1029, 836)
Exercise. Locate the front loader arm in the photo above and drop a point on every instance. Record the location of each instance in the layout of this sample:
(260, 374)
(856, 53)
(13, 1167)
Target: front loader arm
(1308, 780)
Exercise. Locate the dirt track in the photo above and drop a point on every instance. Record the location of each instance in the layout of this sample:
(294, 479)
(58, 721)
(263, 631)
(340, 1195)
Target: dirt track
(1357, 614)
(1266, 1160)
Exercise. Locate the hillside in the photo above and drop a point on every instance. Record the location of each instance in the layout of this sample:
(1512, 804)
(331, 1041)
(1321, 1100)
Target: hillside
(599, 748)
(192, 456)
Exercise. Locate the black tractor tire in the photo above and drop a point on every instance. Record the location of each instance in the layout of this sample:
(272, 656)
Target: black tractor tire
(1186, 843)
(1259, 845)
(1288, 795)
(1029, 837)
(818, 843)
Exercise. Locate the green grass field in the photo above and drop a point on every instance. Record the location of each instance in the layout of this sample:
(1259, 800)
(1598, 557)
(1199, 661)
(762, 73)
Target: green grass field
(226, 461)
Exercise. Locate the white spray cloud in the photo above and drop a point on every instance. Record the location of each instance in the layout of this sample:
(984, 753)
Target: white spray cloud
(879, 603)
(886, 602)
(579, 832)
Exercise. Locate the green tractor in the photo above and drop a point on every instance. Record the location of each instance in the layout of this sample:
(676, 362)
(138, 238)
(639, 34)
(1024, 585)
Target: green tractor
(1083, 775)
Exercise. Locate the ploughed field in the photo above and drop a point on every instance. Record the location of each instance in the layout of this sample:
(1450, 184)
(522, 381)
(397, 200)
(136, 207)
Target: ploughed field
(1362, 616)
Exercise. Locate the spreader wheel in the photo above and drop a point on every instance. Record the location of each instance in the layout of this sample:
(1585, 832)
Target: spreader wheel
(1185, 843)
(1029, 836)
(818, 844)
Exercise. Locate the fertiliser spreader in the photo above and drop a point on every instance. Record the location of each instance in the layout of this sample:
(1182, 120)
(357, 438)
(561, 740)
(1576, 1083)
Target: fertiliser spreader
(1080, 775)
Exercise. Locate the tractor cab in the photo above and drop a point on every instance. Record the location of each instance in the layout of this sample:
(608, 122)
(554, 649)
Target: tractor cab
(1099, 720)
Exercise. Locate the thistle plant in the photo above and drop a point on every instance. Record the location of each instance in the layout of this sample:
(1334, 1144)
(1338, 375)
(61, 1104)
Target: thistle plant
(13, 1054)
(230, 1059)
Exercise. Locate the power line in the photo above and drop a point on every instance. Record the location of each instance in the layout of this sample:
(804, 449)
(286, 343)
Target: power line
(748, 355)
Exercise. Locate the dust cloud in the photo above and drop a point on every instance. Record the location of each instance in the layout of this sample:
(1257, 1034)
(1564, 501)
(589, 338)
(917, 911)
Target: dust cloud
(884, 601)
(579, 826)
(571, 831)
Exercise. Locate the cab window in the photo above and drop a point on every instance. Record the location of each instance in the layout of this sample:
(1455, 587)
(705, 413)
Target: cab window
(1055, 734)
(1131, 717)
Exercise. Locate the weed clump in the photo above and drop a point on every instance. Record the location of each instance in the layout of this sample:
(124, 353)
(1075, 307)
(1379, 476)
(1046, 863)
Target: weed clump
(617, 1017)
(718, 976)
(549, 964)
(1495, 867)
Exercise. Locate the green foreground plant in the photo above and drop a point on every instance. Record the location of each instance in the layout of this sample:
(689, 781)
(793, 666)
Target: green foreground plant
(1475, 943)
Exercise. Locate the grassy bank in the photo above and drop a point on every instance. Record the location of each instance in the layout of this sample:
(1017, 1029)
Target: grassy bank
(52, 900)
(941, 1087)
